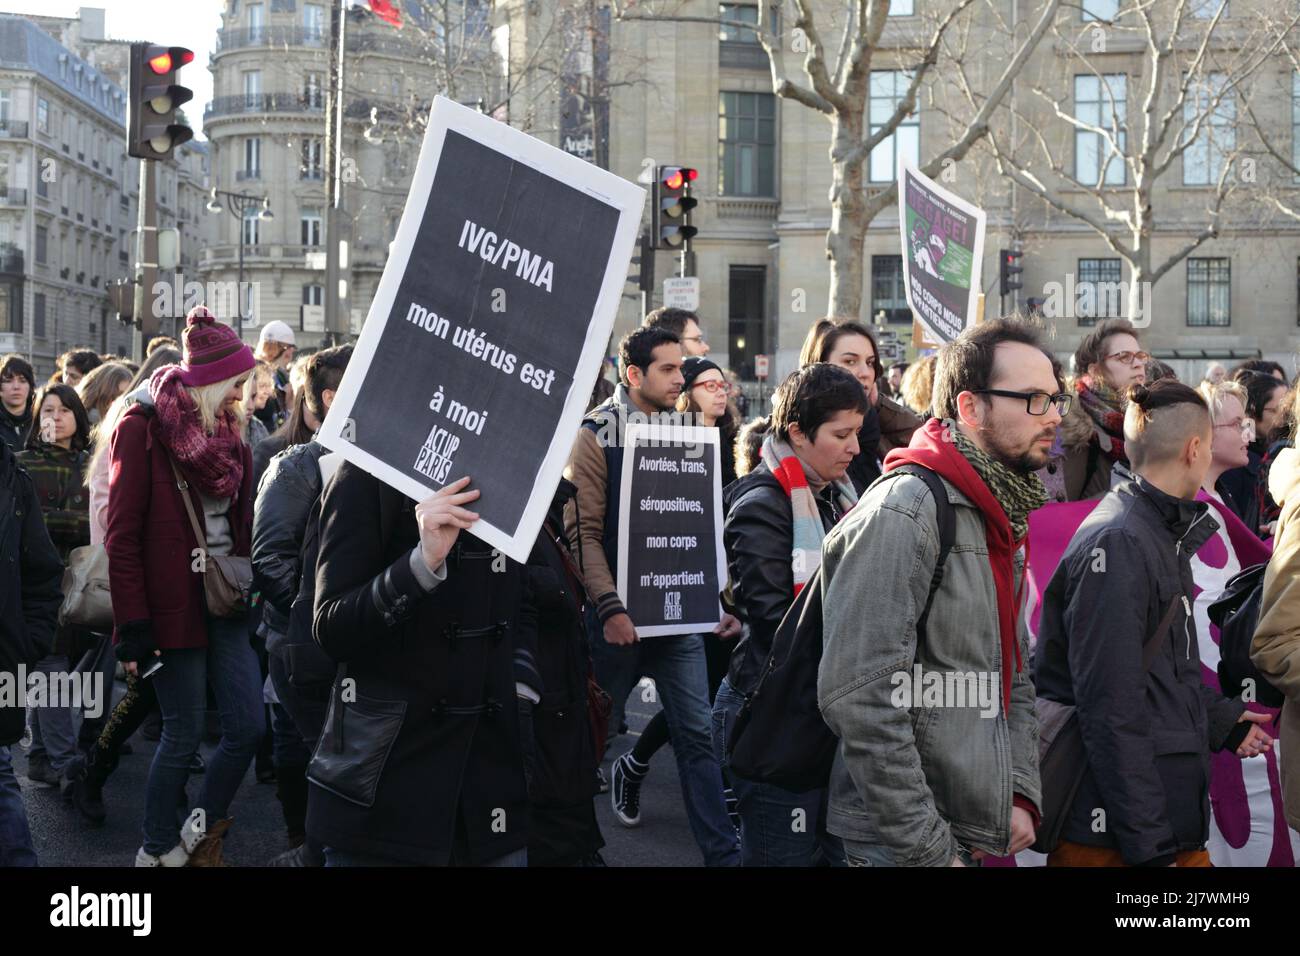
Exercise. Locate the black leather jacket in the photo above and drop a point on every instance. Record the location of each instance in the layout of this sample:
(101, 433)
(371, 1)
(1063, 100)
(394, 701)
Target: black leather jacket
(285, 497)
(759, 538)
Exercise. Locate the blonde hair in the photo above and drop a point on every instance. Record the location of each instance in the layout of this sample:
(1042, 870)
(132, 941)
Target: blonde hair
(209, 399)
(917, 386)
(102, 385)
(1215, 394)
(261, 372)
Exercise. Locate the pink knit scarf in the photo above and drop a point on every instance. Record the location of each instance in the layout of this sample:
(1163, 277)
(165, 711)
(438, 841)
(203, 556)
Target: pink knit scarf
(213, 463)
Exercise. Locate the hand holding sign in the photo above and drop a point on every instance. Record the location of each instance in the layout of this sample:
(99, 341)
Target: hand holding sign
(440, 518)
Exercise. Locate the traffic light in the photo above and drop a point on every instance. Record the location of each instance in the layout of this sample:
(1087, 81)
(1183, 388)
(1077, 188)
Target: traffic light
(670, 207)
(151, 127)
(1010, 273)
(122, 295)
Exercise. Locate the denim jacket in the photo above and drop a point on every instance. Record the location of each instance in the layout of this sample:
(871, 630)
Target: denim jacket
(918, 775)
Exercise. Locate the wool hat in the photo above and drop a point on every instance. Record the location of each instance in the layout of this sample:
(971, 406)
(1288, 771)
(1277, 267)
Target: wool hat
(694, 366)
(212, 351)
(276, 331)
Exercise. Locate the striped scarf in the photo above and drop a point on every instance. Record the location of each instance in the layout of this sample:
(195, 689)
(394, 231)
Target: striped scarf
(808, 529)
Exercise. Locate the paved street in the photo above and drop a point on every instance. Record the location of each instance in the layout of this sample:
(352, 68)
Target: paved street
(63, 838)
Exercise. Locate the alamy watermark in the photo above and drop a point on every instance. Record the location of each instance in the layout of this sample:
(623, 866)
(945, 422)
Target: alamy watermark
(958, 689)
(53, 689)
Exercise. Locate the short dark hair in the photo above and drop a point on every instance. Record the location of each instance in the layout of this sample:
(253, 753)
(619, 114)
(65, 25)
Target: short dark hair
(1263, 366)
(811, 395)
(638, 348)
(72, 401)
(674, 320)
(1153, 438)
(1259, 385)
(324, 372)
(820, 341)
(1092, 350)
(966, 363)
(83, 360)
(14, 365)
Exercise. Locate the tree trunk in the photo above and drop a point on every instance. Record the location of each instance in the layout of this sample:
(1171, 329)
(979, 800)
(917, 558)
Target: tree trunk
(848, 219)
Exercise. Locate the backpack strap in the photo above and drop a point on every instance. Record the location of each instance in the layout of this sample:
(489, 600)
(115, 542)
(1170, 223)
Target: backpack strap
(947, 519)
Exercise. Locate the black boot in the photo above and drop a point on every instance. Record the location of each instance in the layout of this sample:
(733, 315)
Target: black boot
(291, 790)
(88, 775)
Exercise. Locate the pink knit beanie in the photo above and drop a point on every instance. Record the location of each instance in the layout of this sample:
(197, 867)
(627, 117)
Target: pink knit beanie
(212, 351)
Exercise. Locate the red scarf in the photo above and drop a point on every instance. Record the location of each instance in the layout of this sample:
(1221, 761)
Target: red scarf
(212, 463)
(931, 449)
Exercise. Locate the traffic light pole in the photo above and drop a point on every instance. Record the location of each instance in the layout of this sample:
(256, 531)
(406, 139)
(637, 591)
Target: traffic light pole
(145, 324)
(334, 170)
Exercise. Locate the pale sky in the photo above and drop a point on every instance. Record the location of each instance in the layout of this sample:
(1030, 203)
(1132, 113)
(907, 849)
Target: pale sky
(189, 23)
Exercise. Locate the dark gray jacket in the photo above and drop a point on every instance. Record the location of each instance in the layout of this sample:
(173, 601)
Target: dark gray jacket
(285, 496)
(1148, 738)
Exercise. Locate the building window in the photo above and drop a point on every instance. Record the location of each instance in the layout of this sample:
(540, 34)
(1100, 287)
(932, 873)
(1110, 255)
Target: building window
(1100, 9)
(42, 187)
(746, 318)
(1097, 292)
(312, 151)
(313, 295)
(4, 106)
(252, 157)
(11, 308)
(252, 230)
(743, 12)
(38, 314)
(1205, 158)
(253, 89)
(747, 144)
(255, 32)
(902, 8)
(1206, 9)
(313, 93)
(1209, 292)
(42, 244)
(313, 21)
(1100, 101)
(1295, 122)
(311, 227)
(43, 115)
(887, 293)
(888, 87)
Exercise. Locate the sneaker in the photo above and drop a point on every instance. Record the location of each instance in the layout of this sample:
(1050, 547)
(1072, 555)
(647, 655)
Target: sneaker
(26, 742)
(602, 782)
(176, 856)
(625, 791)
(40, 771)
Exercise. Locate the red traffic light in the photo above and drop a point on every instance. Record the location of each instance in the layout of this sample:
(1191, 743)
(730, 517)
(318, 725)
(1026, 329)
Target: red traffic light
(675, 177)
(174, 58)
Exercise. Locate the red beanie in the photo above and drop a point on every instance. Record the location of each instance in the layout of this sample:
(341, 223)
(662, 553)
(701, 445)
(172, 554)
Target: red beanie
(213, 352)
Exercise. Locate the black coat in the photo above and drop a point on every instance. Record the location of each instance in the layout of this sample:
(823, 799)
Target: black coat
(1148, 739)
(29, 590)
(432, 763)
(562, 758)
(759, 538)
(15, 428)
(285, 496)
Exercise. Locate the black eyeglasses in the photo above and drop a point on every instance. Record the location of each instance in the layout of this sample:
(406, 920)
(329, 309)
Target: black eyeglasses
(1036, 403)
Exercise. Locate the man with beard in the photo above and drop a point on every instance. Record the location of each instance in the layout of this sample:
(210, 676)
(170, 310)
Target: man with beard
(938, 759)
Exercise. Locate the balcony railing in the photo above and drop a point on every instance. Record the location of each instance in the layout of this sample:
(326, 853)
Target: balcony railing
(385, 109)
(13, 196)
(275, 36)
(263, 103)
(13, 129)
(373, 42)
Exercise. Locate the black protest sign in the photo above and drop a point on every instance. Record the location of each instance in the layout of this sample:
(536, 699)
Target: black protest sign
(671, 565)
(490, 322)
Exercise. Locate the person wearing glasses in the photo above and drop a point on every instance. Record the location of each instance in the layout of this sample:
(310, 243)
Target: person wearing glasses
(1234, 430)
(1265, 404)
(682, 323)
(1108, 361)
(920, 782)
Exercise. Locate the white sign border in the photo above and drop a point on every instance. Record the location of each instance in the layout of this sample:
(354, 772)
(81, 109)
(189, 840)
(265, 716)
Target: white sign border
(906, 169)
(627, 198)
(658, 434)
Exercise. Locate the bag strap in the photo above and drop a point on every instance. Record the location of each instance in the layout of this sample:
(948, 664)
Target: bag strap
(1152, 647)
(947, 519)
(200, 538)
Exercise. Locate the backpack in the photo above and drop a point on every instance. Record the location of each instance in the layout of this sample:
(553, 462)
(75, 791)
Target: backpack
(1236, 613)
(779, 736)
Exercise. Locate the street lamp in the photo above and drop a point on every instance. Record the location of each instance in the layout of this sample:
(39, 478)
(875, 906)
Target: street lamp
(240, 205)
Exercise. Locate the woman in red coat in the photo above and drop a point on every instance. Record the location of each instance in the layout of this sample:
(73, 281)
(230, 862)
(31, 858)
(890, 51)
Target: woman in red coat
(188, 415)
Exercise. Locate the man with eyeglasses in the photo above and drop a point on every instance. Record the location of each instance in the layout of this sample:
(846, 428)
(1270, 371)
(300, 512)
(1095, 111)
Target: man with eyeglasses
(684, 324)
(1107, 362)
(942, 780)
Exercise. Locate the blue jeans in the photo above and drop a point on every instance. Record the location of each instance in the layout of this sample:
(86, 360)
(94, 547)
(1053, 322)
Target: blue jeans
(677, 666)
(778, 827)
(54, 737)
(335, 857)
(15, 837)
(857, 853)
(229, 664)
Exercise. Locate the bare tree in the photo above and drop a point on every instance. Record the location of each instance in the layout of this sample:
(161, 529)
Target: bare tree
(1278, 191)
(1186, 90)
(839, 90)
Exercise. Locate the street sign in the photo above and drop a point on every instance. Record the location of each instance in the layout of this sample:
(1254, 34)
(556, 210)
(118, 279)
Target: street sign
(682, 293)
(760, 367)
